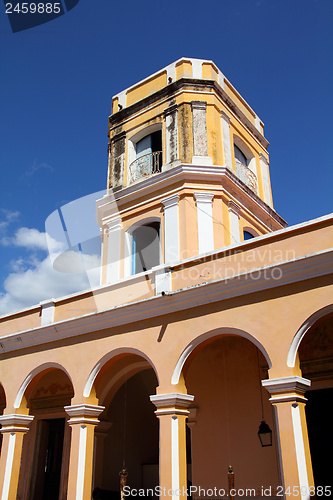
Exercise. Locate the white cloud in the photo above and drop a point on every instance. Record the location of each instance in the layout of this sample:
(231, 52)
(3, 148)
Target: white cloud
(8, 216)
(33, 279)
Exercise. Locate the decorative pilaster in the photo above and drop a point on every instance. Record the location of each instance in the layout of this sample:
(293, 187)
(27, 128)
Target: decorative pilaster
(226, 140)
(265, 179)
(204, 202)
(13, 429)
(171, 228)
(83, 420)
(171, 135)
(234, 211)
(287, 397)
(172, 413)
(114, 227)
(200, 146)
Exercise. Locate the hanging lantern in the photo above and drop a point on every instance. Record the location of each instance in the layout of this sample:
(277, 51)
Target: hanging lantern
(265, 434)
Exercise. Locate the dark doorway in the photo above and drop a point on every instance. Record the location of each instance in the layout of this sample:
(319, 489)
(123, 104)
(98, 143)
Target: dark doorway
(319, 410)
(48, 459)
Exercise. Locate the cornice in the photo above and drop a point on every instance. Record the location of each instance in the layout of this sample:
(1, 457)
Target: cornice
(186, 172)
(172, 88)
(305, 268)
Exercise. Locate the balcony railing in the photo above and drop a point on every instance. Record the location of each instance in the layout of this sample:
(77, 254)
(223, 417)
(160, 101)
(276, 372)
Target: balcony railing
(145, 165)
(247, 176)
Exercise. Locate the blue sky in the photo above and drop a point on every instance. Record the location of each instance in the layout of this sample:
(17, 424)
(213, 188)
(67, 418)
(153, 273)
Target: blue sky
(56, 87)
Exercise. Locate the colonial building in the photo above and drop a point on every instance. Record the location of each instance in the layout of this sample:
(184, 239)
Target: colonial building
(212, 318)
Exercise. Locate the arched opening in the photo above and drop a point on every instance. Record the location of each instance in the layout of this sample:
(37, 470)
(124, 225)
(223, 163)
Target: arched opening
(316, 361)
(45, 454)
(245, 163)
(2, 408)
(224, 374)
(142, 246)
(145, 153)
(127, 435)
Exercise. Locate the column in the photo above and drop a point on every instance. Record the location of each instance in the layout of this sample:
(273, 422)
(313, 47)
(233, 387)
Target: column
(226, 140)
(265, 179)
(200, 146)
(171, 229)
(171, 135)
(204, 202)
(172, 413)
(13, 429)
(113, 258)
(234, 211)
(287, 397)
(83, 420)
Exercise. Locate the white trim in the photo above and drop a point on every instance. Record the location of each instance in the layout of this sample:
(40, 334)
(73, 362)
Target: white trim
(114, 228)
(175, 456)
(173, 399)
(81, 462)
(15, 422)
(234, 210)
(32, 374)
(121, 350)
(171, 229)
(47, 315)
(265, 179)
(9, 466)
(292, 271)
(197, 68)
(300, 451)
(282, 384)
(204, 202)
(226, 140)
(301, 332)
(214, 333)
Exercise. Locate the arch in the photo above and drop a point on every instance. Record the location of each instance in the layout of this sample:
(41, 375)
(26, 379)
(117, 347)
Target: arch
(251, 231)
(251, 161)
(208, 335)
(308, 323)
(37, 371)
(129, 241)
(99, 365)
(136, 137)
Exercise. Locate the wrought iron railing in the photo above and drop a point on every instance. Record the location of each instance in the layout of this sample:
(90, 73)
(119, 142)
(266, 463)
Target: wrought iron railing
(247, 176)
(145, 165)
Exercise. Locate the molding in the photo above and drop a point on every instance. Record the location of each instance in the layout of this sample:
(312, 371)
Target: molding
(304, 268)
(203, 197)
(171, 201)
(174, 399)
(15, 422)
(234, 208)
(83, 414)
(285, 384)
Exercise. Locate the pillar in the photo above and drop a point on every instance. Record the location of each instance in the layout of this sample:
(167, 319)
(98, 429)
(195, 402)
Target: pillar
(171, 229)
(287, 396)
(113, 258)
(234, 210)
(200, 146)
(226, 140)
(265, 179)
(171, 135)
(172, 413)
(204, 202)
(13, 429)
(83, 420)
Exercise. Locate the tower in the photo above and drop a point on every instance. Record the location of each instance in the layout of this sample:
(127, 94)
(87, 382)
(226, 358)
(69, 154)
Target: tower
(188, 171)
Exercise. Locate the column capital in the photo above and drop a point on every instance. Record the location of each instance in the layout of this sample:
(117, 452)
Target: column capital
(15, 422)
(225, 117)
(204, 197)
(113, 224)
(83, 414)
(171, 201)
(287, 389)
(199, 105)
(263, 158)
(172, 404)
(171, 109)
(233, 207)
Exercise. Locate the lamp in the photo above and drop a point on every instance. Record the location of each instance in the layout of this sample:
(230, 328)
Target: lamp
(264, 431)
(265, 434)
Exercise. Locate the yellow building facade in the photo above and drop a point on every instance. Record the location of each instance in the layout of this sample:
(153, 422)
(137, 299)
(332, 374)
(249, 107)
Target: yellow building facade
(211, 317)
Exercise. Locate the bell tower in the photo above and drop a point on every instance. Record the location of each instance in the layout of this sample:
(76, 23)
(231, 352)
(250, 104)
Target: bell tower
(188, 171)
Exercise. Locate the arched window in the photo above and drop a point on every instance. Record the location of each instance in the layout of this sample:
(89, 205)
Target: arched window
(247, 235)
(240, 156)
(145, 247)
(146, 155)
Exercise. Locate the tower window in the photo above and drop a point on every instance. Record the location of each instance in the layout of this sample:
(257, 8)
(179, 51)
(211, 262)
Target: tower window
(145, 247)
(148, 156)
(247, 235)
(240, 156)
